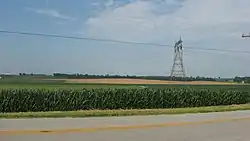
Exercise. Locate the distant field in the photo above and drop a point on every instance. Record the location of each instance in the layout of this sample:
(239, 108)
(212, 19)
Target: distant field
(124, 86)
(48, 83)
(63, 86)
(140, 81)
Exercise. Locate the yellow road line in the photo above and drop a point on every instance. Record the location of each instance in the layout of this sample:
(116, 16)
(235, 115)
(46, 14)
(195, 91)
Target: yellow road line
(116, 128)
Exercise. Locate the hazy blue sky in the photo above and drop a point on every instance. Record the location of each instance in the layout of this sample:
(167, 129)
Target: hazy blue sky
(201, 23)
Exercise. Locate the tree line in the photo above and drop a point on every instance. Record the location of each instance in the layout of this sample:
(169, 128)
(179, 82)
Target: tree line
(82, 76)
(242, 79)
(197, 78)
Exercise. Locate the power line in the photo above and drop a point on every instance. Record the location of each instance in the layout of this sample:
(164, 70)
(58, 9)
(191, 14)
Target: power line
(78, 38)
(244, 36)
(117, 41)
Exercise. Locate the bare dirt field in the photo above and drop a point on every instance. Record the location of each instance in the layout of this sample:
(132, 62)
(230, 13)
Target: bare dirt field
(141, 81)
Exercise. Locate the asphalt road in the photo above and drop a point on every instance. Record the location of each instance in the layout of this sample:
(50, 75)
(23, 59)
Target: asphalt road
(228, 126)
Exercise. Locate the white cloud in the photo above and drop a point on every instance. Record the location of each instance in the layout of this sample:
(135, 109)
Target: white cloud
(109, 3)
(119, 20)
(95, 3)
(195, 16)
(51, 13)
(206, 23)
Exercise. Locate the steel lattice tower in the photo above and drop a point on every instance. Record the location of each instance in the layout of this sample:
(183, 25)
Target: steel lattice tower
(178, 66)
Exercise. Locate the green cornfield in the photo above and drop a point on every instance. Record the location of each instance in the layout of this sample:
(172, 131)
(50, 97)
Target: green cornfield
(34, 100)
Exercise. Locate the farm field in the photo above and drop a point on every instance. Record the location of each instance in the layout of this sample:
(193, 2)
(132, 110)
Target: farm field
(140, 81)
(39, 94)
(120, 86)
(44, 83)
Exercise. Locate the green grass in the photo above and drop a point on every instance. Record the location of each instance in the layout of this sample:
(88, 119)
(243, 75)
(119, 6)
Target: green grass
(39, 82)
(123, 86)
(63, 86)
(101, 113)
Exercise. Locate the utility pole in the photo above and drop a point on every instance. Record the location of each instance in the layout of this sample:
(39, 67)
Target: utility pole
(178, 65)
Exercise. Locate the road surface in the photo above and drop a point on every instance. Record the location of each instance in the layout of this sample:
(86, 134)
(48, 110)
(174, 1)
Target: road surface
(227, 126)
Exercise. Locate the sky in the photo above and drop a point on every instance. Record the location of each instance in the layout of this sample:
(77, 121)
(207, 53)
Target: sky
(202, 24)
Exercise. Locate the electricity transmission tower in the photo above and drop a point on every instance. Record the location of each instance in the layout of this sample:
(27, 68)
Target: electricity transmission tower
(178, 66)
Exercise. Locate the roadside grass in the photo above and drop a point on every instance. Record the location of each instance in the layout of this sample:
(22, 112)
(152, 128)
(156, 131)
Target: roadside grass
(58, 85)
(134, 112)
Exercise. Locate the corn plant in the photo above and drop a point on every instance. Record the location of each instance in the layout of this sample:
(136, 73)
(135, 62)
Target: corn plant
(33, 100)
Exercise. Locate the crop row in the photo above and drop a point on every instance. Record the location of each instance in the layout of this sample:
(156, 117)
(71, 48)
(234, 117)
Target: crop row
(33, 100)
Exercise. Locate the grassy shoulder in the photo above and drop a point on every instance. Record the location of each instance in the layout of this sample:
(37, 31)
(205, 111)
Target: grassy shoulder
(135, 112)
